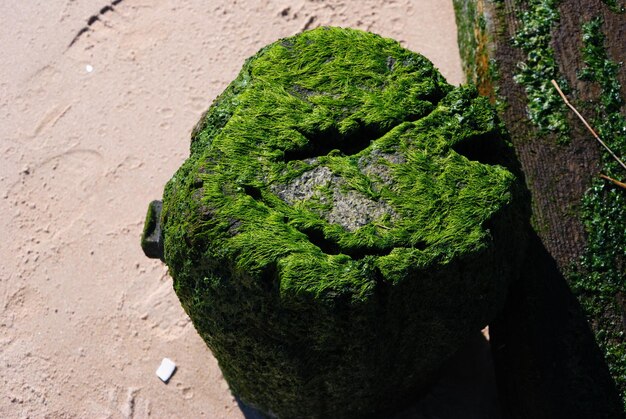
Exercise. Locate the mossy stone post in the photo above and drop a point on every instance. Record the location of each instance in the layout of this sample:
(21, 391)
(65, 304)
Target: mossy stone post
(345, 221)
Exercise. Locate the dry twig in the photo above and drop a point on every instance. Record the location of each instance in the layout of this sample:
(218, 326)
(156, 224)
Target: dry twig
(617, 182)
(558, 89)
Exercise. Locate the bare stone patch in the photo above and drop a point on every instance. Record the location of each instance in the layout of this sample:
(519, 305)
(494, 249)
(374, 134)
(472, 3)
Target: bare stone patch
(350, 209)
(305, 187)
(376, 166)
(353, 210)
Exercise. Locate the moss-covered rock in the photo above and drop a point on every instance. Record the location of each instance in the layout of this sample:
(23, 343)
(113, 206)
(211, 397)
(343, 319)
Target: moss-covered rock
(345, 221)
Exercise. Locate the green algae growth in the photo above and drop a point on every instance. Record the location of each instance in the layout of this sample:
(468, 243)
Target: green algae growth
(545, 108)
(600, 284)
(346, 219)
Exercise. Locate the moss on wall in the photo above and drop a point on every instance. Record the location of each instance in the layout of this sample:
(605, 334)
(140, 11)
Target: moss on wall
(616, 6)
(600, 283)
(306, 316)
(534, 35)
(474, 38)
(598, 279)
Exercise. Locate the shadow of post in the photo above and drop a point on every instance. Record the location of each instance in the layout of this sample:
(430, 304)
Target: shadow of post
(465, 388)
(547, 362)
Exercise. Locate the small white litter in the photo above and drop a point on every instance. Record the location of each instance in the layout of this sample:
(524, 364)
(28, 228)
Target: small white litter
(166, 369)
(88, 68)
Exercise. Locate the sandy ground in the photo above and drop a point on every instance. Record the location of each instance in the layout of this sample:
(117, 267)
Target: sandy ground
(89, 135)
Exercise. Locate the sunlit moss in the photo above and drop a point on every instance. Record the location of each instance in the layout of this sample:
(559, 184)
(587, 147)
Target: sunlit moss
(306, 317)
(475, 38)
(534, 34)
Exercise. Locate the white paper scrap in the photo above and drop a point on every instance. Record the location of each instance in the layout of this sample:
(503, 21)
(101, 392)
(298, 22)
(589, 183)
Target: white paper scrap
(88, 68)
(166, 369)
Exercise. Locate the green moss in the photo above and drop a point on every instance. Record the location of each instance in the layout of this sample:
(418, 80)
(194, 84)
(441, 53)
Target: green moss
(474, 38)
(149, 225)
(475, 32)
(309, 316)
(545, 108)
(615, 6)
(601, 282)
(151, 237)
(466, 17)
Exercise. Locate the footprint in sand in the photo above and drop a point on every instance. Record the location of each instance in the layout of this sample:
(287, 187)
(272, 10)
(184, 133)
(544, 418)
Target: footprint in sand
(162, 311)
(59, 186)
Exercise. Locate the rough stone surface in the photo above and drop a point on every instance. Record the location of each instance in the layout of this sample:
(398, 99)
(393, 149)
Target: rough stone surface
(350, 209)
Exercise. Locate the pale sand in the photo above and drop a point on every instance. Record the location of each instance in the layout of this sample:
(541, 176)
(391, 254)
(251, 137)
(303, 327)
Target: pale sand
(85, 317)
